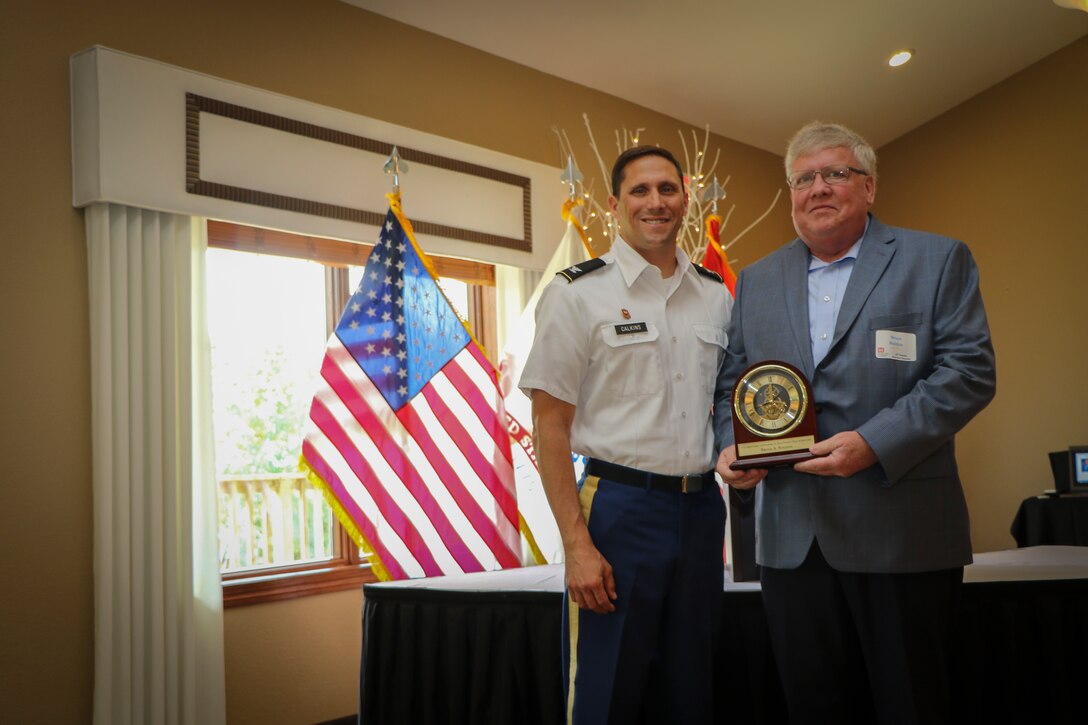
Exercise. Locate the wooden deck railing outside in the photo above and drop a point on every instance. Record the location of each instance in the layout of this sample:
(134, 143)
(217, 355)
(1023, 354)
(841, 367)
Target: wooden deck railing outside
(272, 519)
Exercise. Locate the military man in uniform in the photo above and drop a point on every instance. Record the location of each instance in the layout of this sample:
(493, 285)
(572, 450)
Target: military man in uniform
(622, 371)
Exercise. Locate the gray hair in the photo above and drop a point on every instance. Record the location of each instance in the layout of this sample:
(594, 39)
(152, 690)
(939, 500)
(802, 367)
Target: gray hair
(817, 136)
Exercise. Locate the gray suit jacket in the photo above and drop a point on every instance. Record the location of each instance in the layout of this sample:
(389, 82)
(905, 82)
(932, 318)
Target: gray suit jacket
(908, 512)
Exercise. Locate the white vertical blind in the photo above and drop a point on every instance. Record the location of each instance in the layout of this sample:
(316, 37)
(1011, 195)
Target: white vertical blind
(158, 601)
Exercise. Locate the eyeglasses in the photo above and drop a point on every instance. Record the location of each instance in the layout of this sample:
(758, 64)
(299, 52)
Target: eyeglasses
(830, 175)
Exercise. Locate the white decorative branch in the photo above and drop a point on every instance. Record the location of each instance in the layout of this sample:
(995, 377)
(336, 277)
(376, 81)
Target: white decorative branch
(596, 215)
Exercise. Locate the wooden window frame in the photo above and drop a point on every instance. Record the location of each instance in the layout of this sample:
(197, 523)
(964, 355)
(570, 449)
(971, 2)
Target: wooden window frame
(347, 569)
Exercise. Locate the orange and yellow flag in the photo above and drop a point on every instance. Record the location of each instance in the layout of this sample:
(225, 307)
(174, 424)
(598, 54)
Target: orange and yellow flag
(715, 259)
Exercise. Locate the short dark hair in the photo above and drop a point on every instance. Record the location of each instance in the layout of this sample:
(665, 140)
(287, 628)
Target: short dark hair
(637, 152)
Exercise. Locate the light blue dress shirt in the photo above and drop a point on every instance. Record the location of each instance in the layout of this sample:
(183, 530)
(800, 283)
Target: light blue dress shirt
(826, 285)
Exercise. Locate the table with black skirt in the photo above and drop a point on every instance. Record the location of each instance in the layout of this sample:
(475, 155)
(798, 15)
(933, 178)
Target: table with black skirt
(1045, 520)
(485, 648)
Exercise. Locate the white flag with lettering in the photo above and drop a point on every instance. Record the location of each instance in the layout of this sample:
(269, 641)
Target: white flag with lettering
(532, 504)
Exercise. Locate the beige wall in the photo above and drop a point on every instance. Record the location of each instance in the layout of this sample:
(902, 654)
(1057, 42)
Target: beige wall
(297, 661)
(1005, 172)
(289, 662)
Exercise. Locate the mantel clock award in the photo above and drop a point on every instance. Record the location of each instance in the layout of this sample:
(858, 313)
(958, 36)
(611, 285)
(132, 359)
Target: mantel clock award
(774, 420)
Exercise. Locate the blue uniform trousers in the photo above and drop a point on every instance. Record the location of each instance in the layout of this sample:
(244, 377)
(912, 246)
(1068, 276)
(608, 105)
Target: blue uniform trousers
(651, 660)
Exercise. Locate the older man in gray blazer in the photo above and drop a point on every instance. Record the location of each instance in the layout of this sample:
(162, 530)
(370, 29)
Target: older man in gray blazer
(863, 547)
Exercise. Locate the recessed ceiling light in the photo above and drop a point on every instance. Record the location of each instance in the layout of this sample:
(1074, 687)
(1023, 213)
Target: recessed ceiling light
(900, 58)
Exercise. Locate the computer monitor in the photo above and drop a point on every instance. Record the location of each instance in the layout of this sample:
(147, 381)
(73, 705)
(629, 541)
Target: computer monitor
(1078, 469)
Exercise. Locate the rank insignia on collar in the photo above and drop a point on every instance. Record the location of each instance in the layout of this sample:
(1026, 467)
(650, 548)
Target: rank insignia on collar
(575, 271)
(708, 273)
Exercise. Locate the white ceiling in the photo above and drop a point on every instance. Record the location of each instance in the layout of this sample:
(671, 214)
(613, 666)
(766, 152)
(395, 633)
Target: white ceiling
(755, 70)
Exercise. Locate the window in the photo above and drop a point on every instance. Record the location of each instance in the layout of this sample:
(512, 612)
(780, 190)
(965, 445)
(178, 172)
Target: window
(273, 299)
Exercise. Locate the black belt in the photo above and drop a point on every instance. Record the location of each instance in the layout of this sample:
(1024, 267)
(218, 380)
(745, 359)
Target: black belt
(690, 483)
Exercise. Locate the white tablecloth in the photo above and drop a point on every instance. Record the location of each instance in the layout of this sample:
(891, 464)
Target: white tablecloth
(1031, 563)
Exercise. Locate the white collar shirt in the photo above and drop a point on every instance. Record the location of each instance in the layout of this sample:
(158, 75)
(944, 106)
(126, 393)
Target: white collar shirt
(638, 356)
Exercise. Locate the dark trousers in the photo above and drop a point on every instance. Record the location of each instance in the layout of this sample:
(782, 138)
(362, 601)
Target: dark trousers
(651, 660)
(862, 648)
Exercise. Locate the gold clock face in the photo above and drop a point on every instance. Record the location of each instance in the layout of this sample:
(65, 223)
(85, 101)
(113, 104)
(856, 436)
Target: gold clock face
(770, 401)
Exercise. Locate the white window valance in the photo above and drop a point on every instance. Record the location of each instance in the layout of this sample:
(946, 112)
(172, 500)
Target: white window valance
(155, 136)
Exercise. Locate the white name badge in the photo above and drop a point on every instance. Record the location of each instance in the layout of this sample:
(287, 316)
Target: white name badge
(896, 345)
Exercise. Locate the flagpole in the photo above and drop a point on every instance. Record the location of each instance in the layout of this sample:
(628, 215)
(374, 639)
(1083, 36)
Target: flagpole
(395, 166)
(572, 176)
(712, 193)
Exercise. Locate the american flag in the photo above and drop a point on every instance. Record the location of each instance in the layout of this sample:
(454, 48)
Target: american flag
(407, 430)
